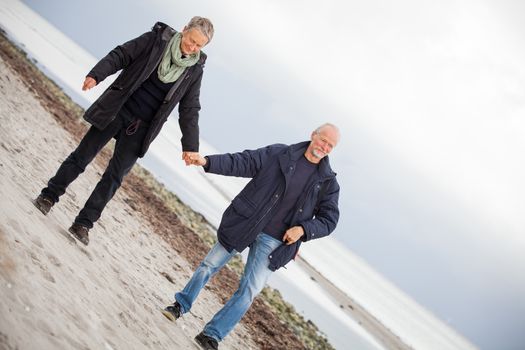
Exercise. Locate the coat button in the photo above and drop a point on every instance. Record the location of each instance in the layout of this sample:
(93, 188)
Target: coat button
(270, 256)
(301, 210)
(277, 195)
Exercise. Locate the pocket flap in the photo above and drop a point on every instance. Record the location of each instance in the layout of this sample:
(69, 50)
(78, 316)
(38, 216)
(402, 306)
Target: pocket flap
(243, 207)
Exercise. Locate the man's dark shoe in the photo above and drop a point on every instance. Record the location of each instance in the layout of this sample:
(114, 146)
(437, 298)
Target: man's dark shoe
(80, 232)
(206, 342)
(43, 203)
(172, 312)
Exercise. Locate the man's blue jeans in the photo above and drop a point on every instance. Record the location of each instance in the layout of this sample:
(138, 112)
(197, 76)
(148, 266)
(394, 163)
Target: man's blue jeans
(256, 273)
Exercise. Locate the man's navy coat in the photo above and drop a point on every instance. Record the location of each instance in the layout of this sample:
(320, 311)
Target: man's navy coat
(271, 169)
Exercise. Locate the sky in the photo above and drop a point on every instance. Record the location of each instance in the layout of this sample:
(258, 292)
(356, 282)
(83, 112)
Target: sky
(430, 99)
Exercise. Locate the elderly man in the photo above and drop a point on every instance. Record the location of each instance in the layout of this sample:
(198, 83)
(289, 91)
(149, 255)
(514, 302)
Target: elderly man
(292, 198)
(160, 69)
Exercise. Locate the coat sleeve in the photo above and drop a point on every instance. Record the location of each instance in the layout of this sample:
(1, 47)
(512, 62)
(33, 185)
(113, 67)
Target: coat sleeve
(189, 107)
(120, 57)
(326, 218)
(242, 164)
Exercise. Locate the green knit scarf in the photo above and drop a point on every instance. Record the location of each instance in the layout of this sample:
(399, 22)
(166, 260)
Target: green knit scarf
(172, 64)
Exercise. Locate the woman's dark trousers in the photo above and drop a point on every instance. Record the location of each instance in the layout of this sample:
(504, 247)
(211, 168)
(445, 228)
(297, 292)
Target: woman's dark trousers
(125, 154)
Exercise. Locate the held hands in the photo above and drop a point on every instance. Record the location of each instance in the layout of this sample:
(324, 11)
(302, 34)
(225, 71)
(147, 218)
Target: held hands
(193, 158)
(293, 234)
(88, 83)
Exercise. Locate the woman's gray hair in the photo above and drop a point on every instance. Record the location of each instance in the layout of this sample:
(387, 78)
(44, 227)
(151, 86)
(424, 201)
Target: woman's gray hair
(204, 25)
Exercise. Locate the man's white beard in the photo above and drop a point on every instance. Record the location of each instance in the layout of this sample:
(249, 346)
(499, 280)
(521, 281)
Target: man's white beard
(316, 154)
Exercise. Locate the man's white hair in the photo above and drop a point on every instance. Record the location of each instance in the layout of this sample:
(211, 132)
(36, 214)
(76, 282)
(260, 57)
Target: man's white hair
(325, 125)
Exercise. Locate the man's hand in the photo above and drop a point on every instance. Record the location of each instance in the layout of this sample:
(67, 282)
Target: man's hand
(88, 83)
(193, 158)
(293, 234)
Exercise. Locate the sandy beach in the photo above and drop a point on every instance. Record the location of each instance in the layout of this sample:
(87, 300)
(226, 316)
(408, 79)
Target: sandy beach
(59, 294)
(107, 295)
(65, 295)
